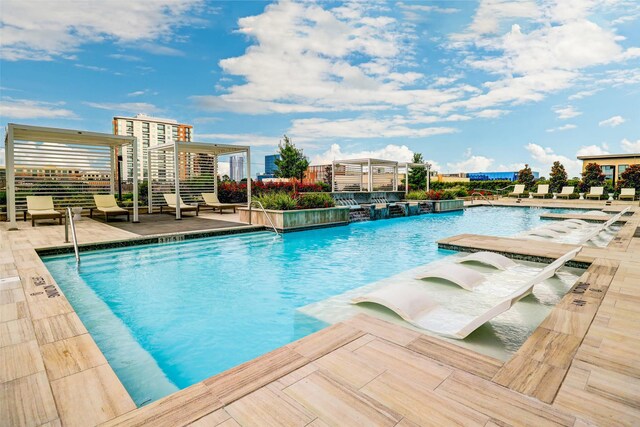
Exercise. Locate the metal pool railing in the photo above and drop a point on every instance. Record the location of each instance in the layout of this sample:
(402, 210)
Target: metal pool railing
(68, 222)
(266, 215)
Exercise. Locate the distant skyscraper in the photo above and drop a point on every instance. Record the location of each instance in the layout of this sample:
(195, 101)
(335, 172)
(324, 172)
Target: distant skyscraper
(270, 167)
(236, 168)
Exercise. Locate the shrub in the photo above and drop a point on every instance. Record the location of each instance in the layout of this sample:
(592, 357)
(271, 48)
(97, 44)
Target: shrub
(315, 200)
(277, 201)
(630, 178)
(416, 195)
(448, 195)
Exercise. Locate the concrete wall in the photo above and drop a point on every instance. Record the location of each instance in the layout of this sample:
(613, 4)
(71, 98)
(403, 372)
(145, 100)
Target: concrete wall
(288, 220)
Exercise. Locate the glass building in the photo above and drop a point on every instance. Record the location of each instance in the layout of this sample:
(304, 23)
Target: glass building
(495, 176)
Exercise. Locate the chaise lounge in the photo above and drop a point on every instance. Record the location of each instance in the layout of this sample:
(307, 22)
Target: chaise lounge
(627, 193)
(542, 191)
(211, 200)
(518, 190)
(41, 207)
(566, 192)
(595, 193)
(171, 205)
(106, 204)
(415, 305)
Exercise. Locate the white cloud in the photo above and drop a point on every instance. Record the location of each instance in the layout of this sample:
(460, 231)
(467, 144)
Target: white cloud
(44, 30)
(253, 140)
(128, 107)
(562, 128)
(91, 67)
(543, 159)
(471, 163)
(567, 112)
(418, 12)
(612, 121)
(317, 128)
(125, 57)
(30, 109)
(137, 93)
(630, 146)
(584, 94)
(398, 153)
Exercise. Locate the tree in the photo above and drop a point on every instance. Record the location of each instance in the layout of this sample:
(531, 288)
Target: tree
(525, 176)
(592, 177)
(630, 178)
(292, 162)
(558, 177)
(418, 174)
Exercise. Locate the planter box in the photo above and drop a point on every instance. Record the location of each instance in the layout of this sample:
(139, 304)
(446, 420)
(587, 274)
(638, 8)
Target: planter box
(441, 205)
(297, 219)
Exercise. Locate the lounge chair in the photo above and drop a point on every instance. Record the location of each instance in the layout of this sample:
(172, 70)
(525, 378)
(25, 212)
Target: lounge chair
(211, 200)
(171, 204)
(542, 191)
(566, 192)
(518, 191)
(595, 193)
(41, 207)
(627, 193)
(414, 304)
(602, 227)
(461, 276)
(493, 259)
(106, 203)
(541, 232)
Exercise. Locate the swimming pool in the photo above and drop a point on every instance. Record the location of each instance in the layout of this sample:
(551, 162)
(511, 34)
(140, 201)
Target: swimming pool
(169, 315)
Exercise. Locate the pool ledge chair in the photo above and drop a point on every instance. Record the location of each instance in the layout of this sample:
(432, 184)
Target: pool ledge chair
(211, 200)
(41, 207)
(106, 204)
(566, 192)
(627, 193)
(542, 191)
(493, 259)
(171, 205)
(518, 190)
(595, 193)
(415, 305)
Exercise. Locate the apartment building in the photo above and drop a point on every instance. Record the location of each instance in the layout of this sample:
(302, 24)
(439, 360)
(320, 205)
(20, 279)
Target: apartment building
(150, 131)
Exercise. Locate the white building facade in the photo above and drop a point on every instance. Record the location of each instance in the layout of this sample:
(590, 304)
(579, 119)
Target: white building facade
(236, 168)
(150, 131)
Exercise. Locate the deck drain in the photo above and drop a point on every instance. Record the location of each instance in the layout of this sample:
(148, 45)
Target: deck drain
(581, 288)
(579, 302)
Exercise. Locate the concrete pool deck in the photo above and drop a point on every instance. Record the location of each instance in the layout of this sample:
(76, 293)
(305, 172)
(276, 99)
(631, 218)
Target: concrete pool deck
(581, 365)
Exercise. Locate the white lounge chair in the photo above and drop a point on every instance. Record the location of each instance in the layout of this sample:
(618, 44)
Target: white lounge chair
(414, 304)
(561, 227)
(542, 191)
(211, 200)
(518, 190)
(627, 193)
(106, 203)
(461, 276)
(493, 259)
(596, 213)
(595, 193)
(602, 227)
(41, 207)
(541, 232)
(566, 192)
(171, 204)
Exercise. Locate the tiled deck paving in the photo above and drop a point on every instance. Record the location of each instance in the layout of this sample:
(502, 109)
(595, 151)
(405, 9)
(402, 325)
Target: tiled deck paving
(581, 366)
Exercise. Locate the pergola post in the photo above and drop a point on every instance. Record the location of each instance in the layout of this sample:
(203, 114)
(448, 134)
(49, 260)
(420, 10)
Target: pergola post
(135, 179)
(428, 175)
(249, 183)
(406, 180)
(113, 158)
(176, 177)
(395, 178)
(215, 174)
(333, 175)
(370, 176)
(11, 179)
(149, 183)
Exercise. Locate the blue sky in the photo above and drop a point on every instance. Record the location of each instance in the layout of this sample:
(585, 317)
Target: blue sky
(473, 85)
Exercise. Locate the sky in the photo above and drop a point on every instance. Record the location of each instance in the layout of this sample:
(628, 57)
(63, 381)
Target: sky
(484, 85)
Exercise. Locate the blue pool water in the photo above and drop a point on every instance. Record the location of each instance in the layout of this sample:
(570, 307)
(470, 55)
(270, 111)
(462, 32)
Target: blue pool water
(167, 316)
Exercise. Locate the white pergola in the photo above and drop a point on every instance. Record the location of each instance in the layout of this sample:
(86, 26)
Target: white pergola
(346, 174)
(69, 165)
(188, 169)
(407, 168)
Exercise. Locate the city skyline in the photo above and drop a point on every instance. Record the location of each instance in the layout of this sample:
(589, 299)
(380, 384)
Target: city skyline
(474, 86)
